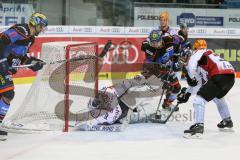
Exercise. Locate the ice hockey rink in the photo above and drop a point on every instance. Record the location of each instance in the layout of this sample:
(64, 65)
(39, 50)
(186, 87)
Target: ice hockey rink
(138, 141)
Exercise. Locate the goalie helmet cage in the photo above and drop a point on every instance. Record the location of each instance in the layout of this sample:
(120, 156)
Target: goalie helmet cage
(59, 91)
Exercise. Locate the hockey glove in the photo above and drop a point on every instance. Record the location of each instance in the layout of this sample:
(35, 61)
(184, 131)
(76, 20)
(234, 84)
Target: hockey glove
(183, 96)
(191, 82)
(4, 67)
(149, 50)
(37, 64)
(12, 70)
(176, 67)
(166, 85)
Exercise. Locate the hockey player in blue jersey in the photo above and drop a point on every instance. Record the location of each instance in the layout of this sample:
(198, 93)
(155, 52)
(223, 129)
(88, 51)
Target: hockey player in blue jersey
(14, 46)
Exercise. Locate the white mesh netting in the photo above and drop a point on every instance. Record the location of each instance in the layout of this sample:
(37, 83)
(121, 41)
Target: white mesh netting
(44, 105)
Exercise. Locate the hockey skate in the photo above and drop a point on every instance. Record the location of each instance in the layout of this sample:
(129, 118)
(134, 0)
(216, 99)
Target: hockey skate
(195, 131)
(3, 135)
(225, 125)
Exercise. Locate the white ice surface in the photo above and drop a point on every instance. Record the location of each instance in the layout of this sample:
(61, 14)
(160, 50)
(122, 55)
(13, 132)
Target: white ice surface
(138, 142)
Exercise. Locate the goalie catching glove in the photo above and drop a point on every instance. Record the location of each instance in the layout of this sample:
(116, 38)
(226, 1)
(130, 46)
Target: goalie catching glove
(183, 96)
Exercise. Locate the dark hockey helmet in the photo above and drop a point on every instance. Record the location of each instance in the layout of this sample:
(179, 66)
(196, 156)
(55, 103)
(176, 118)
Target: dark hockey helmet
(183, 25)
(155, 38)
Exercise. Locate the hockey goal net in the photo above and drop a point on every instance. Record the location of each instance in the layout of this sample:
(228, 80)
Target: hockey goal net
(59, 91)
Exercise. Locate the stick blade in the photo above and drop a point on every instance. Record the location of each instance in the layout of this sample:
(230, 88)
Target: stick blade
(106, 48)
(154, 120)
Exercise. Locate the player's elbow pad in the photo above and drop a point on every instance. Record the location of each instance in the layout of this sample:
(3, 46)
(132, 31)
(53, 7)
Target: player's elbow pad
(4, 40)
(144, 46)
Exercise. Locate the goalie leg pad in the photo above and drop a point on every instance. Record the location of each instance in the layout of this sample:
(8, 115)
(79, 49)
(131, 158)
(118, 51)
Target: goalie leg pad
(109, 117)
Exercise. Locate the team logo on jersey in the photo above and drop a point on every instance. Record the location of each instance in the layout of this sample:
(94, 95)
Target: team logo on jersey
(16, 62)
(13, 34)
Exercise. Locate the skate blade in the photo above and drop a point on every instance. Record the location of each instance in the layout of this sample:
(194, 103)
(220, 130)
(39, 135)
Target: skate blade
(154, 120)
(231, 130)
(3, 138)
(195, 136)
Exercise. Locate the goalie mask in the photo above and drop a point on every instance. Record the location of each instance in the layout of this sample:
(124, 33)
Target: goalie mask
(105, 99)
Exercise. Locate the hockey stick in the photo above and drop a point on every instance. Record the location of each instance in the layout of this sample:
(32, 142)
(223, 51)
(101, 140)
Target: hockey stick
(101, 55)
(170, 114)
(158, 112)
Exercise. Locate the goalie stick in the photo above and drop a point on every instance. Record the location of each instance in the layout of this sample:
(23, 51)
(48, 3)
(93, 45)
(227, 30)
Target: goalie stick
(101, 55)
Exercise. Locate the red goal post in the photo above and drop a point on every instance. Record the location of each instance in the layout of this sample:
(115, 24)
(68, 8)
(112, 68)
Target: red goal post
(69, 49)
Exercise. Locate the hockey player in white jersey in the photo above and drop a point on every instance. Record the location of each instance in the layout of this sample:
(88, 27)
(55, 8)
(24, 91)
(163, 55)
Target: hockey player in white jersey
(211, 78)
(164, 20)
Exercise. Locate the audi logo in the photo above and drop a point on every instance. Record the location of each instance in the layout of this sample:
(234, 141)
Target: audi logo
(145, 30)
(201, 31)
(59, 29)
(123, 53)
(115, 30)
(87, 29)
(231, 31)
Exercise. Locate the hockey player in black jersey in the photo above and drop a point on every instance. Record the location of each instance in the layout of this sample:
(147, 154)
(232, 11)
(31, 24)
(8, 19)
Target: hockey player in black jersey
(14, 46)
(162, 55)
(185, 47)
